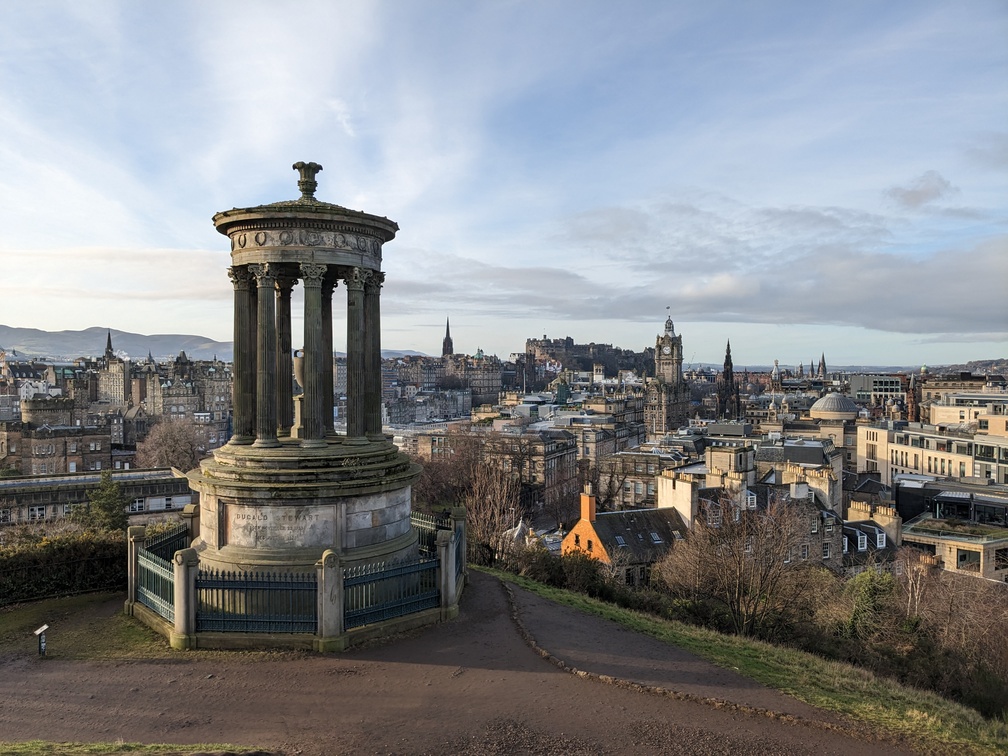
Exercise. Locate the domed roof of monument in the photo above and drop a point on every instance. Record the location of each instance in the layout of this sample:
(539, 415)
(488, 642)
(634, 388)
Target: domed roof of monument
(834, 404)
(305, 207)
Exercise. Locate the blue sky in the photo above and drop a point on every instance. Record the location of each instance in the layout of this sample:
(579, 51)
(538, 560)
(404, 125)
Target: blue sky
(796, 177)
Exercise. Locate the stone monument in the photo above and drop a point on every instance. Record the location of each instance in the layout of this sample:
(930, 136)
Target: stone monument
(286, 487)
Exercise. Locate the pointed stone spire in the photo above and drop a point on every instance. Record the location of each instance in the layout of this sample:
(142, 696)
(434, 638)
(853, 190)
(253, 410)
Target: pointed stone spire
(109, 354)
(822, 365)
(447, 347)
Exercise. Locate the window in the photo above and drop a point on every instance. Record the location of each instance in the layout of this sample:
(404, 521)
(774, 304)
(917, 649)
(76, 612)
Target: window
(829, 525)
(788, 554)
(845, 544)
(36, 513)
(750, 500)
(620, 541)
(590, 544)
(5, 516)
(748, 545)
(168, 502)
(137, 505)
(714, 515)
(655, 538)
(862, 542)
(826, 550)
(880, 540)
(804, 551)
(577, 540)
(71, 467)
(73, 446)
(815, 523)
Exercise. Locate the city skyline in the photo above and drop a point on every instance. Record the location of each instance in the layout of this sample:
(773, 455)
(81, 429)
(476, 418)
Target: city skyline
(795, 179)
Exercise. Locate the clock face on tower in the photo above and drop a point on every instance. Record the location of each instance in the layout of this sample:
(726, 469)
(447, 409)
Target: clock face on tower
(666, 349)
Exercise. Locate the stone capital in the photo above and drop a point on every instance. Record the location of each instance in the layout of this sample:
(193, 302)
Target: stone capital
(374, 281)
(357, 279)
(265, 274)
(313, 274)
(285, 282)
(241, 277)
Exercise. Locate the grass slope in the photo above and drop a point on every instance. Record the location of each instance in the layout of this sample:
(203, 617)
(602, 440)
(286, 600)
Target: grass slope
(930, 722)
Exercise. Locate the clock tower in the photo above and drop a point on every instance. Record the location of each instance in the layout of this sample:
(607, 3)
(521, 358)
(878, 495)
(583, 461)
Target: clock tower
(668, 355)
(667, 398)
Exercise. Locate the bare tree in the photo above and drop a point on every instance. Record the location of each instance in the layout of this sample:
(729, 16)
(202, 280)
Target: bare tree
(740, 560)
(171, 443)
(491, 509)
(447, 478)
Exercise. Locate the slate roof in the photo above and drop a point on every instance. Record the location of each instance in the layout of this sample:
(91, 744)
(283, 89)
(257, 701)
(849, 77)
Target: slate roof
(643, 535)
(799, 452)
(872, 554)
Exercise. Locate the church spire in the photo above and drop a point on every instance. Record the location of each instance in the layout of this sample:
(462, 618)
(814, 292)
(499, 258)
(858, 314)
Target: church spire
(109, 354)
(447, 348)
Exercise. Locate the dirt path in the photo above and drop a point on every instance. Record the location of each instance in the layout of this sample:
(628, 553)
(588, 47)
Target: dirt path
(472, 686)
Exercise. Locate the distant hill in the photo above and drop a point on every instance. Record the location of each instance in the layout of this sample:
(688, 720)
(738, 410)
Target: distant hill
(68, 345)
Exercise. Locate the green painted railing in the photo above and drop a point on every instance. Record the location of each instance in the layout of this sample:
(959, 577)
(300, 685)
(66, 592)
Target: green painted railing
(156, 584)
(380, 591)
(166, 544)
(256, 602)
(427, 527)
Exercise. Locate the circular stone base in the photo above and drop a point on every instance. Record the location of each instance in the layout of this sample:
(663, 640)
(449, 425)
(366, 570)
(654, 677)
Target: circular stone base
(279, 508)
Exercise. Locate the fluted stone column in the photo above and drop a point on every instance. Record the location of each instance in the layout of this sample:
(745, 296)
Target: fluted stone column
(372, 356)
(243, 387)
(328, 285)
(285, 364)
(266, 416)
(356, 360)
(311, 420)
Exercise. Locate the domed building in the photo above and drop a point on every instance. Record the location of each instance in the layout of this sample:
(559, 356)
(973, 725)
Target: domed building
(834, 406)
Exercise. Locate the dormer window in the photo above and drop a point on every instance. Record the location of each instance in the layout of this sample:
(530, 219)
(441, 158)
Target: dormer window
(845, 544)
(862, 542)
(750, 500)
(880, 540)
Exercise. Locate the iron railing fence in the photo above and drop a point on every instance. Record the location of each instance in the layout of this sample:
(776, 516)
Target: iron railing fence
(256, 602)
(156, 584)
(381, 591)
(166, 544)
(427, 527)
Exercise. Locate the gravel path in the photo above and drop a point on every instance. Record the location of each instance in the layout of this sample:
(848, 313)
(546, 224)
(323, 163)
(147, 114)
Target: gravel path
(471, 686)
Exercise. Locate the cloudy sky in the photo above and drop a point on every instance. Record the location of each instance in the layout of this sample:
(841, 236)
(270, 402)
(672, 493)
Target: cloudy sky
(796, 177)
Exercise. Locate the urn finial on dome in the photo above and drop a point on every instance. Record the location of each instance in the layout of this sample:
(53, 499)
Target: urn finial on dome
(307, 183)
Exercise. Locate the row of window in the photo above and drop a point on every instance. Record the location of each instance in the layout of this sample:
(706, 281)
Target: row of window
(862, 539)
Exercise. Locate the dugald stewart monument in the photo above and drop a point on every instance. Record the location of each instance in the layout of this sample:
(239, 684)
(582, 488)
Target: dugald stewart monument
(287, 487)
